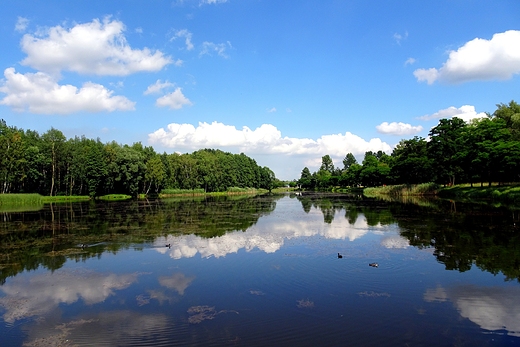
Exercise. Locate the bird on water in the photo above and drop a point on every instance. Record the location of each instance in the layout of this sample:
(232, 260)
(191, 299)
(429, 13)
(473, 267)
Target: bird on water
(373, 264)
(340, 256)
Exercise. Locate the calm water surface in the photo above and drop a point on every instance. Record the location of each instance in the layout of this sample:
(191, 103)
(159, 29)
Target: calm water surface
(260, 271)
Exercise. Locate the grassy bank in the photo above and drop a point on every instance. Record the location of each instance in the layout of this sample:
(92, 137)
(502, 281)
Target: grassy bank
(424, 189)
(168, 193)
(508, 194)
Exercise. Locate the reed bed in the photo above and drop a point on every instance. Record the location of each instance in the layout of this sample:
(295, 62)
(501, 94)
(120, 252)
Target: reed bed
(21, 199)
(403, 190)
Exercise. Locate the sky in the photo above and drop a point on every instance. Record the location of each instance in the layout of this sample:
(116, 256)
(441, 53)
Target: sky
(284, 82)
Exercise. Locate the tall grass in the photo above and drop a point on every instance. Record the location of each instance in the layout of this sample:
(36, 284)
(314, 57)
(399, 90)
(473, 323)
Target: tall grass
(21, 199)
(494, 193)
(403, 190)
(114, 197)
(172, 191)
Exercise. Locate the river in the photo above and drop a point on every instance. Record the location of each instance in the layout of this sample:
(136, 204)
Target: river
(271, 270)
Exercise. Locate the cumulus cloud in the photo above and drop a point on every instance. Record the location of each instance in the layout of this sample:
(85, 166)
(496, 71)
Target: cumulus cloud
(157, 87)
(400, 128)
(174, 100)
(266, 139)
(21, 24)
(40, 93)
(91, 48)
(479, 59)
(466, 112)
(208, 48)
(184, 33)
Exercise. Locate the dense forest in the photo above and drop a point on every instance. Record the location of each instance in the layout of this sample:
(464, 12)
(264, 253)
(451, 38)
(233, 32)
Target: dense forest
(481, 151)
(50, 164)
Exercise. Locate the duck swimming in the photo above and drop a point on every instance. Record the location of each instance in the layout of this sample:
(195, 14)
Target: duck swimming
(340, 256)
(373, 264)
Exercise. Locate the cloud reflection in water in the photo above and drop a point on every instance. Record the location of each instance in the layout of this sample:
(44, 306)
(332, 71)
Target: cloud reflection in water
(492, 308)
(269, 235)
(40, 294)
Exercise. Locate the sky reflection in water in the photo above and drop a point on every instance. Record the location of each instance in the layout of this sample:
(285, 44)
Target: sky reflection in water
(278, 283)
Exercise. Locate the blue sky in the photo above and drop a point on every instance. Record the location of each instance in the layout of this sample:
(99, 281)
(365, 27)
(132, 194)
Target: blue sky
(284, 82)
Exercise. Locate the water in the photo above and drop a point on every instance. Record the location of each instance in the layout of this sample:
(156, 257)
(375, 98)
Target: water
(260, 271)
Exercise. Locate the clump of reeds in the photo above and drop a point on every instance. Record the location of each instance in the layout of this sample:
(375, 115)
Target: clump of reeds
(114, 197)
(21, 199)
(403, 190)
(174, 191)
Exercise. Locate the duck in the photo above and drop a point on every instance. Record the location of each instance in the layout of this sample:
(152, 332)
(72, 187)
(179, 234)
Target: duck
(373, 264)
(340, 256)
(169, 245)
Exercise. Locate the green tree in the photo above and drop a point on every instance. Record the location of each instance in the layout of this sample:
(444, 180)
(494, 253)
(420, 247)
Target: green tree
(349, 161)
(54, 141)
(411, 164)
(447, 149)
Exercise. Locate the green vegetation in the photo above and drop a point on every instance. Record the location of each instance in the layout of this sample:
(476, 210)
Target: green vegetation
(114, 197)
(20, 199)
(403, 190)
(507, 194)
(51, 165)
(482, 151)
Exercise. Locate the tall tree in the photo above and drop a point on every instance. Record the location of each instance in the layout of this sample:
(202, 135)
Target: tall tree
(446, 148)
(349, 161)
(54, 141)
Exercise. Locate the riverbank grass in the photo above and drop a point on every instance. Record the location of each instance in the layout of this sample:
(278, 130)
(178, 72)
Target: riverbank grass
(20, 199)
(403, 190)
(510, 193)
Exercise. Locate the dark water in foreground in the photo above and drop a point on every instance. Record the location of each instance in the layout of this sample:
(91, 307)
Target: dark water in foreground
(260, 271)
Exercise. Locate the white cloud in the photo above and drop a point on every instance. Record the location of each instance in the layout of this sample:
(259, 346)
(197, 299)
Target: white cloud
(157, 87)
(428, 75)
(91, 48)
(409, 61)
(40, 93)
(271, 110)
(400, 128)
(21, 24)
(479, 59)
(398, 37)
(264, 139)
(139, 30)
(466, 112)
(187, 38)
(174, 100)
(219, 48)
(209, 2)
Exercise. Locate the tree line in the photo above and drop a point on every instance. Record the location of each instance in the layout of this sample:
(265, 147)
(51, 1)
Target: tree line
(481, 151)
(51, 164)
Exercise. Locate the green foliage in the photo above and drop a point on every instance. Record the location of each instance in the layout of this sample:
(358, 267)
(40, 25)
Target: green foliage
(114, 197)
(483, 150)
(182, 191)
(51, 165)
(403, 190)
(20, 199)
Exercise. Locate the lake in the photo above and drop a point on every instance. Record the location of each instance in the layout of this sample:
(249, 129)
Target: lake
(261, 271)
